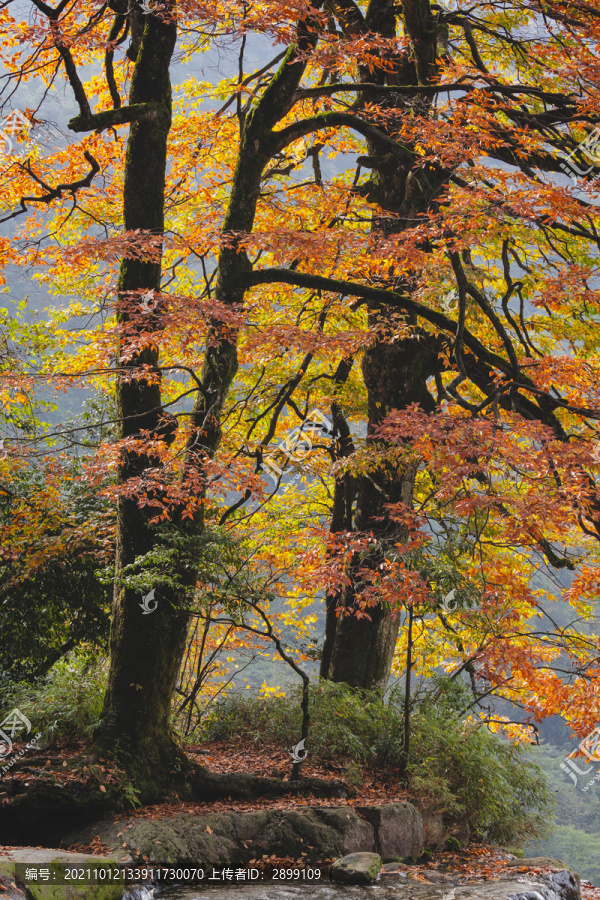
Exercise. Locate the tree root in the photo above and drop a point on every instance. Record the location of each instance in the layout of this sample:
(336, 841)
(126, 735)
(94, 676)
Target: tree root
(207, 785)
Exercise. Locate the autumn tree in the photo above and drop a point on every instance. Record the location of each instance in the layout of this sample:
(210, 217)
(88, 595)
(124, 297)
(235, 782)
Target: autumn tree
(255, 286)
(423, 183)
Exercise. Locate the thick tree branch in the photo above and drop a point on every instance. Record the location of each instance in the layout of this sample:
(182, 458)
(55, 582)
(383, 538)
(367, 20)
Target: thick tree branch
(349, 16)
(466, 25)
(492, 86)
(466, 286)
(420, 27)
(385, 297)
(52, 14)
(99, 121)
(543, 412)
(52, 193)
(330, 119)
(325, 90)
(119, 23)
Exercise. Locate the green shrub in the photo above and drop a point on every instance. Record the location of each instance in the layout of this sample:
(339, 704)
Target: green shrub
(461, 766)
(344, 723)
(454, 765)
(67, 702)
(50, 596)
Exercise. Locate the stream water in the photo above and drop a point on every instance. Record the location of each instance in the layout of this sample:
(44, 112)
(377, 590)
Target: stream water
(395, 887)
(274, 891)
(325, 891)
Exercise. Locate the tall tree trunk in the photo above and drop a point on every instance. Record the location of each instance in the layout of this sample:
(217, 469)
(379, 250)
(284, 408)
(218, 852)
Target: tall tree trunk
(145, 649)
(359, 651)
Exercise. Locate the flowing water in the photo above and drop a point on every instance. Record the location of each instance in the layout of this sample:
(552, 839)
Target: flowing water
(273, 890)
(395, 887)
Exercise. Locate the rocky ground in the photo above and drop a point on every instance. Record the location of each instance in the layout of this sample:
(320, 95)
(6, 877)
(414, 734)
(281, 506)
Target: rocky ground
(297, 831)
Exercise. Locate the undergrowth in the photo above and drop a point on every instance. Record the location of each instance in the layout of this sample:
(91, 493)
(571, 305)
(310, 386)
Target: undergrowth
(456, 765)
(67, 702)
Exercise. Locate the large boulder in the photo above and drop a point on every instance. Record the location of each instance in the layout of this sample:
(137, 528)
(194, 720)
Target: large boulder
(398, 828)
(357, 868)
(434, 832)
(394, 830)
(232, 839)
(8, 887)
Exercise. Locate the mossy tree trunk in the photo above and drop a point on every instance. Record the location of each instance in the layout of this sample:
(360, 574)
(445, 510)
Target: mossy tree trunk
(359, 651)
(145, 649)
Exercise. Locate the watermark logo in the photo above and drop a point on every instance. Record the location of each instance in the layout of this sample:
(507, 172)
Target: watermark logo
(146, 601)
(12, 725)
(450, 895)
(15, 123)
(148, 7)
(596, 452)
(590, 748)
(149, 302)
(589, 148)
(296, 752)
(298, 445)
(3, 450)
(449, 603)
(449, 302)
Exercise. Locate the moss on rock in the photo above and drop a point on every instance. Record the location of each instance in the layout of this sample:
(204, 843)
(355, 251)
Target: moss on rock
(54, 861)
